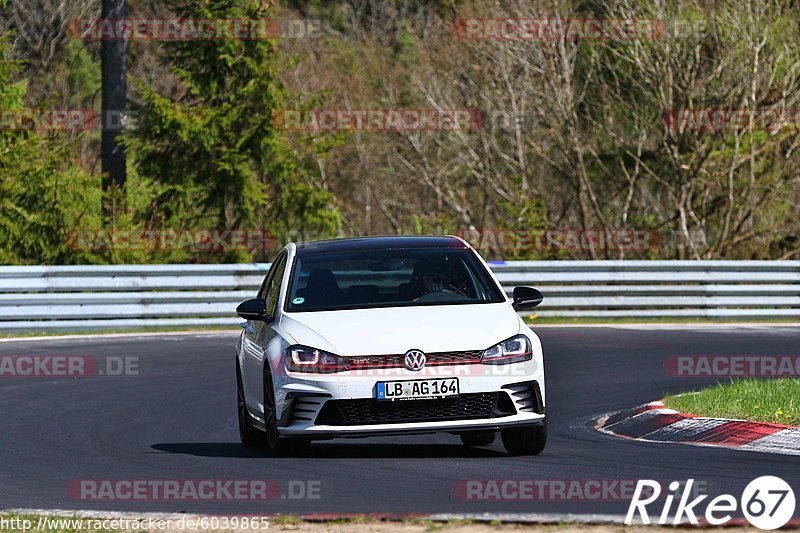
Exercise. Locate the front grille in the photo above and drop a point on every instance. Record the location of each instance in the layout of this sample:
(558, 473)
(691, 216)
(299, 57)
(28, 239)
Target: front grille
(455, 358)
(372, 411)
(464, 357)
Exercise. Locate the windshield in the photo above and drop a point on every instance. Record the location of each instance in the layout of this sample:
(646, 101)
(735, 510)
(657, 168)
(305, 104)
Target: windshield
(358, 280)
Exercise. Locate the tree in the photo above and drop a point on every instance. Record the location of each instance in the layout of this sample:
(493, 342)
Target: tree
(44, 196)
(212, 156)
(115, 85)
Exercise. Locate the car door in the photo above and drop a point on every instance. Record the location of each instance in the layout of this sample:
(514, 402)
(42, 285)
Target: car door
(258, 334)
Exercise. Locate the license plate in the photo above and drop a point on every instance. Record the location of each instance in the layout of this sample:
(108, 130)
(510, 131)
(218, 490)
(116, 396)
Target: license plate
(419, 389)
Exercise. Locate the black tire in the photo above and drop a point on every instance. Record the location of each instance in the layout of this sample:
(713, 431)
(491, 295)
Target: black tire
(251, 436)
(526, 440)
(478, 438)
(276, 445)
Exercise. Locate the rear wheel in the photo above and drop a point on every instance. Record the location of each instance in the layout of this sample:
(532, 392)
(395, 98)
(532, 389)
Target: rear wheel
(526, 440)
(277, 445)
(478, 438)
(250, 435)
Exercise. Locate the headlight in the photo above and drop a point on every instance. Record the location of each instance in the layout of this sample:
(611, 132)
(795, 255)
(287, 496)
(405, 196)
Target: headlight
(510, 350)
(305, 359)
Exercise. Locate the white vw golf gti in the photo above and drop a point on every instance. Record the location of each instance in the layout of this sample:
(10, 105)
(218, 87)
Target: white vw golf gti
(387, 336)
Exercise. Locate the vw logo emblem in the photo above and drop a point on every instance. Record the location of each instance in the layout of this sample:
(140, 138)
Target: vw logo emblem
(414, 360)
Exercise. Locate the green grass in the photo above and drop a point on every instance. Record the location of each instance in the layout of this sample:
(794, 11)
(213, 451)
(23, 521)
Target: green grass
(764, 400)
(286, 520)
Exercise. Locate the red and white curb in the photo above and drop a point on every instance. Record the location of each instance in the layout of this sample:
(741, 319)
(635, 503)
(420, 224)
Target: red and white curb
(653, 422)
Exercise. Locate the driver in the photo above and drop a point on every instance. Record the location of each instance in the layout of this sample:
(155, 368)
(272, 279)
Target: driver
(435, 281)
(434, 276)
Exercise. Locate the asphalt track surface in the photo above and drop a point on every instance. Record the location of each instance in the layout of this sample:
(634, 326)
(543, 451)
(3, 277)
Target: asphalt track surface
(176, 421)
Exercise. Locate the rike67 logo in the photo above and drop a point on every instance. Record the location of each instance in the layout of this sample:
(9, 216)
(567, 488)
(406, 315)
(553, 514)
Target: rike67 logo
(767, 502)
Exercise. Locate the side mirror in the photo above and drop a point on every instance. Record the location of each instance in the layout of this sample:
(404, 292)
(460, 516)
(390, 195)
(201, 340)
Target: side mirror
(255, 309)
(526, 298)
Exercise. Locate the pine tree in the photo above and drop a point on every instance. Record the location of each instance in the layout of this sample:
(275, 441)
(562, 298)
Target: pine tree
(213, 157)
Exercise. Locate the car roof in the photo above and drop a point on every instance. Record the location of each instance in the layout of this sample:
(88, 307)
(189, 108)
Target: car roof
(392, 242)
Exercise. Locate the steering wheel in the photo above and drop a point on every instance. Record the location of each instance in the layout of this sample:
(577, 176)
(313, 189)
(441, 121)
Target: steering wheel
(460, 289)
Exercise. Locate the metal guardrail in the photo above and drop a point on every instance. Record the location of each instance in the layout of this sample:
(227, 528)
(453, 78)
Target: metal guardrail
(714, 289)
(127, 296)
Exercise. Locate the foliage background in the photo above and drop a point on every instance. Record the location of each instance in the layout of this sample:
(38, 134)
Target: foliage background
(575, 136)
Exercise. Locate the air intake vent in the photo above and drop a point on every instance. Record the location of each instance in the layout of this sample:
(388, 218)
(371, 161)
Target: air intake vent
(527, 396)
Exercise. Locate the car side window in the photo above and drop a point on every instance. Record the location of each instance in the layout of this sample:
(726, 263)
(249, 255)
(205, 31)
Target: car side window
(262, 292)
(265, 285)
(273, 287)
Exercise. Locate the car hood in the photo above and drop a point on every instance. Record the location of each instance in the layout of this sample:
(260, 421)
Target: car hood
(395, 330)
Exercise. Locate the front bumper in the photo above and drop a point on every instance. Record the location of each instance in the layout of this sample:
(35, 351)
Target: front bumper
(416, 428)
(314, 406)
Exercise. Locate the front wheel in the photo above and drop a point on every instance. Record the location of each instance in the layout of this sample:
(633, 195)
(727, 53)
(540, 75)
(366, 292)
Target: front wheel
(249, 435)
(526, 440)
